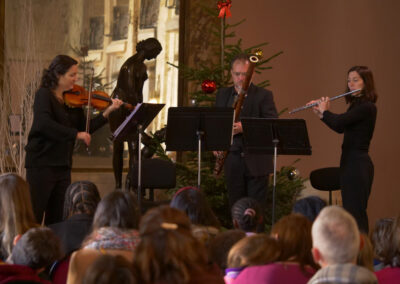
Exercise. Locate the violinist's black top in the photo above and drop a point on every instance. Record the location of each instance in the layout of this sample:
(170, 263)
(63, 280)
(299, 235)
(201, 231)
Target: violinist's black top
(54, 129)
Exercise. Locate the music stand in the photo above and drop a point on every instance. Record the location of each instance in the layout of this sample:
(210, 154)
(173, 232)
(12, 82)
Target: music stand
(199, 128)
(275, 136)
(137, 121)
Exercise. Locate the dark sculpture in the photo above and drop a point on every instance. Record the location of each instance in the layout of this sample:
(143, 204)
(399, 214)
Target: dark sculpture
(129, 89)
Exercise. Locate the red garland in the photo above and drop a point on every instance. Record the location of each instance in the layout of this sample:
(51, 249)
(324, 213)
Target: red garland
(224, 8)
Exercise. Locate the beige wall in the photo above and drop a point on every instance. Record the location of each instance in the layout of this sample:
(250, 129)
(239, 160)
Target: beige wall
(321, 40)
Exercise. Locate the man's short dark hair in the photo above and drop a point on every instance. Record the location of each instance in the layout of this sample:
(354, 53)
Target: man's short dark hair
(37, 248)
(240, 57)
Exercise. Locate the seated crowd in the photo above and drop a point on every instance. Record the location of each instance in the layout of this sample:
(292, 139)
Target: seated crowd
(107, 241)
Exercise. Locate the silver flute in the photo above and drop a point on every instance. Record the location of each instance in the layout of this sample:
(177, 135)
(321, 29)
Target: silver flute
(330, 99)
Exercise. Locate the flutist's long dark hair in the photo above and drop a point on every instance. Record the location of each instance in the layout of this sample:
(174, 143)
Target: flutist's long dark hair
(369, 93)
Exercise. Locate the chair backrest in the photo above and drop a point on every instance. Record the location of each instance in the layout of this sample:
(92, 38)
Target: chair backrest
(156, 173)
(326, 179)
(59, 271)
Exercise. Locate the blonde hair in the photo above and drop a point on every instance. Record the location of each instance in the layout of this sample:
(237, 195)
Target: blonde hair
(16, 214)
(366, 254)
(257, 249)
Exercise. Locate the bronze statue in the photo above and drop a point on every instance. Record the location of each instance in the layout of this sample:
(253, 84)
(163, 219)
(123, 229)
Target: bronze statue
(129, 89)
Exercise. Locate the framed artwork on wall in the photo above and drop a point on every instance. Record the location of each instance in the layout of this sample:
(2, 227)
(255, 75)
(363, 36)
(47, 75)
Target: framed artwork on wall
(120, 22)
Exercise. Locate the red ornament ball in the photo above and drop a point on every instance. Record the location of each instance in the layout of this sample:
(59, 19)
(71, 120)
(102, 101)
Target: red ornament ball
(208, 86)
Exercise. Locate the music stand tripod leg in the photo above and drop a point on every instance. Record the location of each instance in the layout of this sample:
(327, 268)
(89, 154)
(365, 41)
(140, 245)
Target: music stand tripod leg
(275, 141)
(139, 188)
(199, 134)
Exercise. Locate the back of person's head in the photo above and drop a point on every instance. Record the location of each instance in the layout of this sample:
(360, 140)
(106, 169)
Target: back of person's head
(391, 256)
(335, 234)
(109, 269)
(381, 236)
(259, 249)
(309, 206)
(167, 252)
(247, 214)
(37, 248)
(293, 233)
(58, 66)
(219, 246)
(365, 256)
(193, 202)
(117, 209)
(16, 214)
(81, 197)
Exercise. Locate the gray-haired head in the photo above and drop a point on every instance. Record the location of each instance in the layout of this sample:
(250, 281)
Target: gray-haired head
(335, 234)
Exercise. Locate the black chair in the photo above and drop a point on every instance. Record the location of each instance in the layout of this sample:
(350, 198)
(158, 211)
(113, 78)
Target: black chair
(156, 174)
(326, 179)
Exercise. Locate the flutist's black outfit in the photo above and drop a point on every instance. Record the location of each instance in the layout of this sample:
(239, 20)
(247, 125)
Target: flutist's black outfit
(356, 167)
(247, 174)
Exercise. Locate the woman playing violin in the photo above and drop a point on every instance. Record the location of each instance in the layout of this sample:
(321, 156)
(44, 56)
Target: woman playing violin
(357, 124)
(52, 136)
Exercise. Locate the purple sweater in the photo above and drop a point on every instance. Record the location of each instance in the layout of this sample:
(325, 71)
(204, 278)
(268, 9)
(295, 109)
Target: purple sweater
(279, 272)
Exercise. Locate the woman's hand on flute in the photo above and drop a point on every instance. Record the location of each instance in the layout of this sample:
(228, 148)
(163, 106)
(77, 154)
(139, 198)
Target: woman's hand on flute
(321, 105)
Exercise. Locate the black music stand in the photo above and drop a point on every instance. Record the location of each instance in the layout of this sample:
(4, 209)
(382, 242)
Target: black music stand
(199, 129)
(138, 121)
(275, 136)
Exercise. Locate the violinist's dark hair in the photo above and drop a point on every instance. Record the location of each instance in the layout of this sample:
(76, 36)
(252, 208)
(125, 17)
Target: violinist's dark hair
(369, 93)
(151, 47)
(81, 197)
(59, 66)
(247, 213)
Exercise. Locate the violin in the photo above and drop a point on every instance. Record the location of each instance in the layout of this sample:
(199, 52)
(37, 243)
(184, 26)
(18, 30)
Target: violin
(78, 96)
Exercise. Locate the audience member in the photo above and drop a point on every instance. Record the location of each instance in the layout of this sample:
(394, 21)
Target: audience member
(33, 252)
(81, 199)
(336, 242)
(295, 263)
(219, 247)
(391, 257)
(309, 206)
(365, 256)
(114, 232)
(16, 213)
(380, 238)
(169, 253)
(247, 215)
(258, 249)
(193, 202)
(38, 248)
(109, 269)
